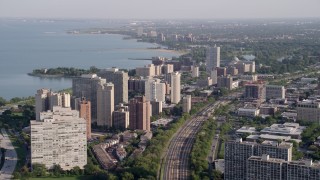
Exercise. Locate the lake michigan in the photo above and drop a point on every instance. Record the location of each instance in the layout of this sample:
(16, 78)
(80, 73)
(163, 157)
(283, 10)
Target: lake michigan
(30, 44)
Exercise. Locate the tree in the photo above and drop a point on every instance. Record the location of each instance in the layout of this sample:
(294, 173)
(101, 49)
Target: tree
(76, 170)
(39, 170)
(57, 170)
(127, 176)
(2, 101)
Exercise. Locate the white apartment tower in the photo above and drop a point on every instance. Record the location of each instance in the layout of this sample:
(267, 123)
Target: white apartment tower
(105, 104)
(175, 87)
(59, 138)
(46, 99)
(155, 90)
(186, 107)
(213, 58)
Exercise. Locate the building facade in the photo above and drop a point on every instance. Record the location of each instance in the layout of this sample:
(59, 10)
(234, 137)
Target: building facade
(59, 138)
(175, 87)
(105, 104)
(275, 92)
(139, 113)
(212, 58)
(120, 82)
(87, 86)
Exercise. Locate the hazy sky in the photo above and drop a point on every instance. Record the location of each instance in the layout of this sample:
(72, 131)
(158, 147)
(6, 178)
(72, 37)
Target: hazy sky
(150, 9)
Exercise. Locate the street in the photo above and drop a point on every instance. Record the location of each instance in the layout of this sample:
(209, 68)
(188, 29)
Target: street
(10, 157)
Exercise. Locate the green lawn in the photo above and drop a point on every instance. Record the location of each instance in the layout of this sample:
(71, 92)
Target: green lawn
(64, 178)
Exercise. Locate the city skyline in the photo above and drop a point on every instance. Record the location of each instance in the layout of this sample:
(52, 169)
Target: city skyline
(145, 9)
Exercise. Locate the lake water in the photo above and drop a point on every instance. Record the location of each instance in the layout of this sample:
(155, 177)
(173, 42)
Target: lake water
(29, 44)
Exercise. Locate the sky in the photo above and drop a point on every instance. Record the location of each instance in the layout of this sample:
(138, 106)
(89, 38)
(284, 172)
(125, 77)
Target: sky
(160, 9)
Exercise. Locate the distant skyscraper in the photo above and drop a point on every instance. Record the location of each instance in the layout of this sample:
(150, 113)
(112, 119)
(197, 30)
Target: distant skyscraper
(87, 86)
(175, 87)
(105, 104)
(213, 58)
(140, 113)
(59, 138)
(84, 108)
(186, 104)
(195, 71)
(120, 81)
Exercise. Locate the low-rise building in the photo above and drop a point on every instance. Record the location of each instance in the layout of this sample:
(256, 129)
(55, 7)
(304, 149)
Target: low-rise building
(294, 130)
(248, 112)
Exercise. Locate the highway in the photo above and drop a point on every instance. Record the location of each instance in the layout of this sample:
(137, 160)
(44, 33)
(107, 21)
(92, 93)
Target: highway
(176, 160)
(10, 157)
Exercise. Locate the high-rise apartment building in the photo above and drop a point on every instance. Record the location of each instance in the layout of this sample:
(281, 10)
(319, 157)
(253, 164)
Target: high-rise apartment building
(238, 152)
(87, 86)
(255, 91)
(46, 99)
(59, 138)
(195, 71)
(84, 108)
(186, 104)
(140, 113)
(42, 101)
(120, 81)
(275, 92)
(225, 82)
(156, 107)
(213, 58)
(155, 90)
(167, 68)
(105, 104)
(264, 167)
(121, 117)
(214, 76)
(175, 87)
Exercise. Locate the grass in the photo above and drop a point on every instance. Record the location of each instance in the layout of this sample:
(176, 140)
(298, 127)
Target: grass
(65, 178)
(221, 151)
(21, 152)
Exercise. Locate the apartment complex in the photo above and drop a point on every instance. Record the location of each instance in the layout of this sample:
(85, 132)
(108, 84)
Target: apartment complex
(254, 91)
(186, 104)
(59, 138)
(105, 104)
(155, 90)
(84, 108)
(212, 58)
(120, 81)
(87, 86)
(46, 99)
(175, 87)
(238, 152)
(308, 110)
(264, 167)
(139, 113)
(275, 92)
(121, 117)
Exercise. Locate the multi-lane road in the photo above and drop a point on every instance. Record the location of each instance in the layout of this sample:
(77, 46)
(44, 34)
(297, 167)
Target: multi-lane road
(10, 157)
(176, 160)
